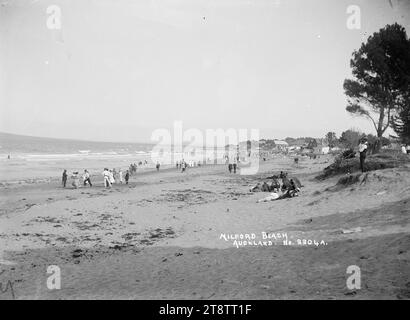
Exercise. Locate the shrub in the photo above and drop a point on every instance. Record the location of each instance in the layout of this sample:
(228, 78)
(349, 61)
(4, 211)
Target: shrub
(373, 162)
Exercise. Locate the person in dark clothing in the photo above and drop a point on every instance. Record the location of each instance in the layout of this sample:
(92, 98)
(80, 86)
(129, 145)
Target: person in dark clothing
(265, 187)
(64, 178)
(127, 177)
(230, 167)
(362, 152)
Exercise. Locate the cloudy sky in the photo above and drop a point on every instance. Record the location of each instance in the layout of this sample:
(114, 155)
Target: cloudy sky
(119, 69)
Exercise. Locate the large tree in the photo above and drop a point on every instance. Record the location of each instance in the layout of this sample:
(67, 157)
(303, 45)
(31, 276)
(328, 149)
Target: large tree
(401, 123)
(380, 81)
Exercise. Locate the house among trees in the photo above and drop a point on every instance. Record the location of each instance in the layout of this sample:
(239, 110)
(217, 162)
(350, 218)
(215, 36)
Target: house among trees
(281, 145)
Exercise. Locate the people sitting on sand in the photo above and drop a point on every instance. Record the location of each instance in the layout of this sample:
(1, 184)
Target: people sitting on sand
(275, 185)
(265, 187)
(86, 178)
(64, 178)
(286, 182)
(293, 190)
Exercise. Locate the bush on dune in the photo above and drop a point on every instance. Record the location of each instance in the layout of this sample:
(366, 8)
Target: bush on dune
(384, 160)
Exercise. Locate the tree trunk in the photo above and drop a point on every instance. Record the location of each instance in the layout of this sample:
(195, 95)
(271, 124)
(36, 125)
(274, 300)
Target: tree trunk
(377, 145)
(380, 131)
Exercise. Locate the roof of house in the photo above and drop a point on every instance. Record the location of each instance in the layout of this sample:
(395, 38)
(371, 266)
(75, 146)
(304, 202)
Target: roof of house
(281, 143)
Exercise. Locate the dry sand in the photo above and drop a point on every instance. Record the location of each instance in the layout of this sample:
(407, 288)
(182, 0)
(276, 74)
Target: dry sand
(160, 237)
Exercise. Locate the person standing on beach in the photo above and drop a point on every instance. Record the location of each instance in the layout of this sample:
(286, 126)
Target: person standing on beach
(157, 166)
(120, 175)
(76, 180)
(127, 177)
(64, 178)
(106, 175)
(111, 177)
(86, 177)
(235, 164)
(362, 152)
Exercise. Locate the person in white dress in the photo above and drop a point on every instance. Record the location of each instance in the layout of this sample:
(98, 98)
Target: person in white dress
(120, 175)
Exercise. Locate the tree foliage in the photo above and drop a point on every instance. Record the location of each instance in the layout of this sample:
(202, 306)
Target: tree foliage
(381, 77)
(312, 144)
(331, 139)
(401, 122)
(350, 138)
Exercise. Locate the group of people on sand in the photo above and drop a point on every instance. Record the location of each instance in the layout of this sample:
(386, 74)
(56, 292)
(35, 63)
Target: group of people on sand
(75, 179)
(110, 177)
(289, 188)
(133, 166)
(183, 165)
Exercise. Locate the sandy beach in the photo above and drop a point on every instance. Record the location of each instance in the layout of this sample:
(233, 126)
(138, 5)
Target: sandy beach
(169, 235)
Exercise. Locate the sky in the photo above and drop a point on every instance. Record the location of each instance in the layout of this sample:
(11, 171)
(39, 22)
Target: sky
(119, 69)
